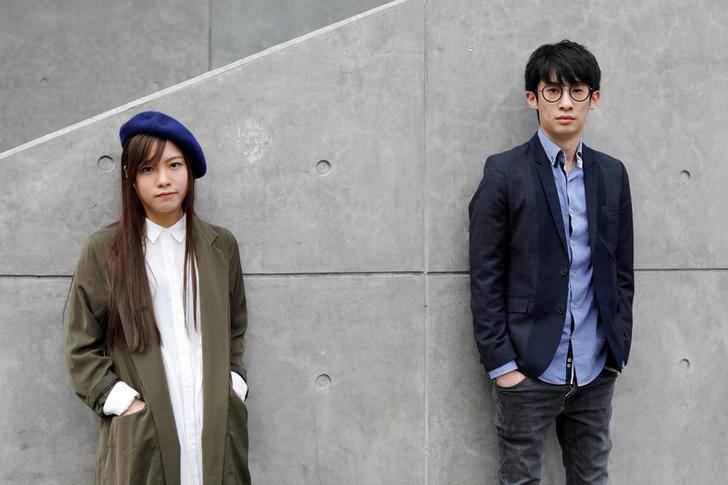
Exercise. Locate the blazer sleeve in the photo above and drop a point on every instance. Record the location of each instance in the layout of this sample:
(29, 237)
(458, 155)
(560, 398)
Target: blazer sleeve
(624, 256)
(238, 310)
(90, 366)
(488, 253)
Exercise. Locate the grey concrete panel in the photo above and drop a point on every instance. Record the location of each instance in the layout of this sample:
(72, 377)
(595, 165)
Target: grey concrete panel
(461, 430)
(351, 95)
(65, 61)
(653, 56)
(48, 435)
(336, 374)
(668, 426)
(240, 28)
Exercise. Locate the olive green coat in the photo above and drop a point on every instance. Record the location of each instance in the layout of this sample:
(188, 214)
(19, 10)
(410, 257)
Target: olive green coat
(143, 448)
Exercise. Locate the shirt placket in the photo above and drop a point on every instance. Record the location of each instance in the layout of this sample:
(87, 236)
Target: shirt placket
(570, 376)
(174, 271)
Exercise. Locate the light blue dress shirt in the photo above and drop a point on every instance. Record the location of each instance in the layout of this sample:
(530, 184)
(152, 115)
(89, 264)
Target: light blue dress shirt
(587, 338)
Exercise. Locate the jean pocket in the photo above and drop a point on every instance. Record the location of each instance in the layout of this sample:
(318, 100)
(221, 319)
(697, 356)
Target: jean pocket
(610, 372)
(515, 387)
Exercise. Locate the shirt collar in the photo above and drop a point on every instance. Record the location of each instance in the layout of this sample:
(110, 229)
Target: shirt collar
(177, 230)
(552, 149)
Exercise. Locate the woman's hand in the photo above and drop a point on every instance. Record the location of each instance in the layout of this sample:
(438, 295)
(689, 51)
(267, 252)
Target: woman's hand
(135, 406)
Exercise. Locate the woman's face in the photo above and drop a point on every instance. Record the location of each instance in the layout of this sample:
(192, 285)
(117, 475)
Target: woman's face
(163, 186)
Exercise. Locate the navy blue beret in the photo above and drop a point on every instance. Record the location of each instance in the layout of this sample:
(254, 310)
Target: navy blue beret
(166, 127)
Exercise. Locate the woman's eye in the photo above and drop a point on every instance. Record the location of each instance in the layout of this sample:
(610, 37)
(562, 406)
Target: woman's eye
(176, 165)
(146, 169)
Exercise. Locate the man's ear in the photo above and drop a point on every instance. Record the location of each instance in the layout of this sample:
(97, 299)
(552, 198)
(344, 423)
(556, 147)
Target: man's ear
(596, 96)
(531, 99)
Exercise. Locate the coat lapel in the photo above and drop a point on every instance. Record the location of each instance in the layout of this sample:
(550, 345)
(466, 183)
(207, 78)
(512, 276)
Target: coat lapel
(549, 186)
(215, 329)
(150, 368)
(590, 188)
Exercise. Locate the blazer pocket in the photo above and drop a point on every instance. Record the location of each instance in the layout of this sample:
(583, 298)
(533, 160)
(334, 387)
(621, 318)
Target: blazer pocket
(517, 305)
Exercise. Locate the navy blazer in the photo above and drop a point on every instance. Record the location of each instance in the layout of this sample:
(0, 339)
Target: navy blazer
(519, 261)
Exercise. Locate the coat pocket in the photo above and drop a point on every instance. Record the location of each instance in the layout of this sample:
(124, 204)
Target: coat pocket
(517, 305)
(133, 451)
(236, 443)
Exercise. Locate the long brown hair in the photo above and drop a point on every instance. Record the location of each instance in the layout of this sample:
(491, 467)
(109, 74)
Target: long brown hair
(129, 293)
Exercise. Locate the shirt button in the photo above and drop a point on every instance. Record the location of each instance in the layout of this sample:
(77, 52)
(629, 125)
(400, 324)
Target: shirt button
(568, 360)
(564, 271)
(573, 243)
(573, 306)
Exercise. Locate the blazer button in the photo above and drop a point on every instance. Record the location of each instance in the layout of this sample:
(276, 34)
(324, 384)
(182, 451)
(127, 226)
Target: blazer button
(564, 271)
(562, 309)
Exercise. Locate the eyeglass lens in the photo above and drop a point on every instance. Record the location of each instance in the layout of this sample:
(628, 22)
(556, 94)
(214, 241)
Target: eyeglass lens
(553, 92)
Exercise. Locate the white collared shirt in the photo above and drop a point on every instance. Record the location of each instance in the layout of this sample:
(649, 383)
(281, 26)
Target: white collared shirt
(181, 345)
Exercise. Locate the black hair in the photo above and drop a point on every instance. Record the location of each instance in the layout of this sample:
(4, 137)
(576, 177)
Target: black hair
(565, 61)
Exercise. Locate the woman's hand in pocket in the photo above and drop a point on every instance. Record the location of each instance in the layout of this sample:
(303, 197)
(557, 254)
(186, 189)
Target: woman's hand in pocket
(135, 406)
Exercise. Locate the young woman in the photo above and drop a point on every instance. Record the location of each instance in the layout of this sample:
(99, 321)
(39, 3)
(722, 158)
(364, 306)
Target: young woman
(156, 324)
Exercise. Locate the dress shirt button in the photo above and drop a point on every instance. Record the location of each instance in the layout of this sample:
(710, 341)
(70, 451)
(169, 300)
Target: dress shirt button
(573, 306)
(564, 271)
(573, 243)
(561, 309)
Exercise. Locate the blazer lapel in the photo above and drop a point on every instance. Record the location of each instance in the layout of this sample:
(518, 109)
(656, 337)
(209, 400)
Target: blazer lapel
(549, 186)
(590, 189)
(215, 329)
(150, 368)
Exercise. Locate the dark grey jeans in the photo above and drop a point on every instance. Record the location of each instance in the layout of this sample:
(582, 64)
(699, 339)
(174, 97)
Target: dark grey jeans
(524, 414)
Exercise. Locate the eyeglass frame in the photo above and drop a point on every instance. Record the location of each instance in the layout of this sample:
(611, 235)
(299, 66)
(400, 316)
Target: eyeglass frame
(561, 88)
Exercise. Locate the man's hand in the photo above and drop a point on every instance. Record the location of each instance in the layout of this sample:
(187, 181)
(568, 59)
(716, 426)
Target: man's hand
(510, 379)
(135, 406)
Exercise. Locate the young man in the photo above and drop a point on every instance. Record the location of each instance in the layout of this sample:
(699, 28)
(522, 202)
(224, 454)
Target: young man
(552, 278)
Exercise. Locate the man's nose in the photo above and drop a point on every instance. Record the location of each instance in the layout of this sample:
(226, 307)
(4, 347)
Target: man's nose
(566, 102)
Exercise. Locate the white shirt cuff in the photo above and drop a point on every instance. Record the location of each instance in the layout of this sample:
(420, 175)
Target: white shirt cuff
(119, 399)
(240, 388)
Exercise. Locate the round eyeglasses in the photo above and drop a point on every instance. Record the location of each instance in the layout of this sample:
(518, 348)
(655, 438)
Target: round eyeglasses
(578, 92)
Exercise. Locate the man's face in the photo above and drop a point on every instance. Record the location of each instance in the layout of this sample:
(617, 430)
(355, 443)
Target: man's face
(564, 119)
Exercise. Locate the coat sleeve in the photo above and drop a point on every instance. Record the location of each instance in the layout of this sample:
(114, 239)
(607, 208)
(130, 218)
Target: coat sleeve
(86, 356)
(488, 254)
(238, 311)
(624, 256)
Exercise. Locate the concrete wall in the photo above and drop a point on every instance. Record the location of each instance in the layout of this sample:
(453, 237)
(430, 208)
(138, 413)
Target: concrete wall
(362, 364)
(63, 61)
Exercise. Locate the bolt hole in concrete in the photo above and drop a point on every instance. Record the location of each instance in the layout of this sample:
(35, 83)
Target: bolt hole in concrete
(323, 167)
(685, 175)
(685, 363)
(105, 163)
(323, 381)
